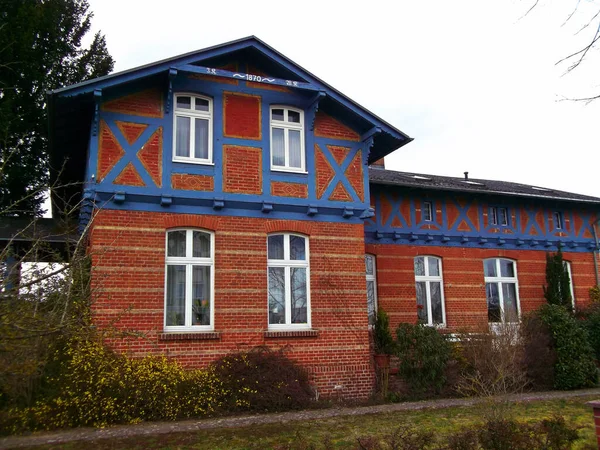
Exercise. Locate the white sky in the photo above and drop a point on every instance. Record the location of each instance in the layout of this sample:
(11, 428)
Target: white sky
(473, 81)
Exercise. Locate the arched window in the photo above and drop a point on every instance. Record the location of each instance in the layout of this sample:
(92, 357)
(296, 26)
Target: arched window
(192, 128)
(288, 281)
(430, 290)
(189, 280)
(287, 139)
(502, 290)
(371, 274)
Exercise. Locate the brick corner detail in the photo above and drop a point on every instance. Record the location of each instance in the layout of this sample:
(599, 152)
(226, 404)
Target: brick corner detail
(197, 336)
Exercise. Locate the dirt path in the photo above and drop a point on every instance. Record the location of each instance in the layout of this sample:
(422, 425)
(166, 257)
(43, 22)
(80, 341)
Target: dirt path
(154, 428)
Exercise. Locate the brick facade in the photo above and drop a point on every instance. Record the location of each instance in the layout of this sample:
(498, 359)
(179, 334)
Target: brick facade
(464, 286)
(128, 252)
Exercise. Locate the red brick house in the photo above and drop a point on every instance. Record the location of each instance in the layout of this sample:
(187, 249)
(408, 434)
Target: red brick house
(230, 204)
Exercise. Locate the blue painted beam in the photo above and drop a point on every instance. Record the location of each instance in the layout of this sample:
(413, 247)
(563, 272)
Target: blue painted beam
(246, 77)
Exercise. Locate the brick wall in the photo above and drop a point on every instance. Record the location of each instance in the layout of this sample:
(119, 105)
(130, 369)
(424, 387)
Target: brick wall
(192, 182)
(128, 256)
(242, 169)
(464, 287)
(148, 103)
(242, 116)
(327, 126)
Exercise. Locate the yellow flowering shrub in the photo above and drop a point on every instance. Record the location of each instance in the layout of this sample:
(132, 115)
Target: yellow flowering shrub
(95, 386)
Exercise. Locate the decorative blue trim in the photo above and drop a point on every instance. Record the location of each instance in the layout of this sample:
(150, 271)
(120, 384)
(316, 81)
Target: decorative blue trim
(218, 204)
(312, 210)
(267, 207)
(348, 212)
(166, 200)
(423, 239)
(172, 76)
(119, 198)
(97, 101)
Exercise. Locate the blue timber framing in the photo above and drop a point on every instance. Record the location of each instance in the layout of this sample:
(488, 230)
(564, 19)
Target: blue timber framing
(481, 234)
(164, 198)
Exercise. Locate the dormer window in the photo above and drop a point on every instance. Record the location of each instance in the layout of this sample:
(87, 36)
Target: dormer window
(558, 220)
(427, 212)
(192, 129)
(287, 139)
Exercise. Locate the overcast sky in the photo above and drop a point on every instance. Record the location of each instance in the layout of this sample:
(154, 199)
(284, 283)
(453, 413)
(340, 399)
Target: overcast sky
(473, 81)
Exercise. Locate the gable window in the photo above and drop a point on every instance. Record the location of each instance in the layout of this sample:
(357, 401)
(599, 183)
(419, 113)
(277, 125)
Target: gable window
(288, 281)
(287, 139)
(498, 216)
(558, 220)
(501, 288)
(430, 290)
(371, 273)
(427, 212)
(503, 216)
(493, 215)
(189, 280)
(192, 129)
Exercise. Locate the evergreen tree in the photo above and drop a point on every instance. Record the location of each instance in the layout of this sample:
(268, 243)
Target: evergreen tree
(558, 283)
(40, 50)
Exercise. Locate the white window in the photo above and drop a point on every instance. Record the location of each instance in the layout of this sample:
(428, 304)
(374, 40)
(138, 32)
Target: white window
(189, 280)
(430, 290)
(493, 215)
(371, 273)
(427, 212)
(288, 281)
(502, 290)
(568, 267)
(503, 216)
(192, 129)
(558, 222)
(287, 139)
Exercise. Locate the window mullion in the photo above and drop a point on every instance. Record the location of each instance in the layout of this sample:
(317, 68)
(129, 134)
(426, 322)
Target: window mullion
(192, 137)
(286, 147)
(428, 301)
(288, 295)
(188, 295)
(501, 298)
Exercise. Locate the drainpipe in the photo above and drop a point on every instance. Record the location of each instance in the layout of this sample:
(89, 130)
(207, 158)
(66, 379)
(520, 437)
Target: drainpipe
(594, 253)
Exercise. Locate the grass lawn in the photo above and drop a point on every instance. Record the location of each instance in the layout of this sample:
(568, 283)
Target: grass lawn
(343, 431)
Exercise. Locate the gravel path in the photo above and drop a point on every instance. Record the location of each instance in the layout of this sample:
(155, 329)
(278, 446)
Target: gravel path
(154, 428)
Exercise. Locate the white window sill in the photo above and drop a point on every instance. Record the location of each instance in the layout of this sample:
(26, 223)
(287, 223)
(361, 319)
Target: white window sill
(191, 161)
(282, 169)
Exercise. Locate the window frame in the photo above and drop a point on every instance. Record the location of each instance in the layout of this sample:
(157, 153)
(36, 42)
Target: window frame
(427, 210)
(571, 287)
(506, 221)
(428, 279)
(287, 126)
(193, 114)
(372, 277)
(189, 262)
(499, 280)
(493, 215)
(558, 219)
(288, 264)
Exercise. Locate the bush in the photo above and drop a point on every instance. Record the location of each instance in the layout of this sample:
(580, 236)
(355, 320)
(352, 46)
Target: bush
(263, 380)
(539, 355)
(96, 386)
(383, 341)
(595, 294)
(591, 322)
(424, 354)
(493, 364)
(574, 366)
